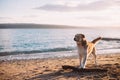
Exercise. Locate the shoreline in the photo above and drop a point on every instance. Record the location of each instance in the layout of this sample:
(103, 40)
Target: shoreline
(51, 68)
(50, 55)
(55, 58)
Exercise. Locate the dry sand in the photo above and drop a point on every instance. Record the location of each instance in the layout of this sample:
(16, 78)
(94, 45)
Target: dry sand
(51, 69)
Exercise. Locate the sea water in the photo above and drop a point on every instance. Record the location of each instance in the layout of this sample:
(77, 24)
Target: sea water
(45, 43)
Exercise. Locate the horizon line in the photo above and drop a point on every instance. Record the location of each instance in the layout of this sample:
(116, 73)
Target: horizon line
(5, 25)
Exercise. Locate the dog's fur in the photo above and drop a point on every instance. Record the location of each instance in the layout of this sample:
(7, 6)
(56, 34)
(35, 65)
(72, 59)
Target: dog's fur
(85, 48)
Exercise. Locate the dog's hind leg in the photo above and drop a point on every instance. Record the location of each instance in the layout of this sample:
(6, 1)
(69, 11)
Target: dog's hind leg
(94, 55)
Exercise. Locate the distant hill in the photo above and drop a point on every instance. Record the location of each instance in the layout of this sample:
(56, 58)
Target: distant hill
(50, 26)
(21, 25)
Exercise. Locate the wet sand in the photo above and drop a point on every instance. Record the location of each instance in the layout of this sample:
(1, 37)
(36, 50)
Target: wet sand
(51, 69)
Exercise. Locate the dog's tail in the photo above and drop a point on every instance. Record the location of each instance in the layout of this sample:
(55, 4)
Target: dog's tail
(96, 40)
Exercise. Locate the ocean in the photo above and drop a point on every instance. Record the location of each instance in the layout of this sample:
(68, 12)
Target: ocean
(52, 43)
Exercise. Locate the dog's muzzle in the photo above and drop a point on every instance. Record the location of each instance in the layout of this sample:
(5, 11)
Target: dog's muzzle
(75, 39)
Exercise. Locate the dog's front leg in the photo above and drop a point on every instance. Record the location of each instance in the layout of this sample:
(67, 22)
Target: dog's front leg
(85, 58)
(80, 58)
(84, 61)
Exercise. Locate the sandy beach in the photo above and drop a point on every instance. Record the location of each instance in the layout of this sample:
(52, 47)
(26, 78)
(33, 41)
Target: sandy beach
(51, 69)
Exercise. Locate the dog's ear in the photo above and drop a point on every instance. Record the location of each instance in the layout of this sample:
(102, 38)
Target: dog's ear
(83, 36)
(84, 42)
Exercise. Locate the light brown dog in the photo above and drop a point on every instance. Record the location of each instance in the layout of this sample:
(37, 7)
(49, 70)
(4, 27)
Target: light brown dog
(85, 48)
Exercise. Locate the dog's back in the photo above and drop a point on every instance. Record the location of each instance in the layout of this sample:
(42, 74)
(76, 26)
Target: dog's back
(92, 44)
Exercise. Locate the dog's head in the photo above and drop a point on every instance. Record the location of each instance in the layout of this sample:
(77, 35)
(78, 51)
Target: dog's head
(80, 38)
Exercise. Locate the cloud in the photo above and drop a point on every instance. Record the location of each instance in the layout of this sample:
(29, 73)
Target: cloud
(1, 18)
(100, 18)
(30, 16)
(97, 5)
(52, 7)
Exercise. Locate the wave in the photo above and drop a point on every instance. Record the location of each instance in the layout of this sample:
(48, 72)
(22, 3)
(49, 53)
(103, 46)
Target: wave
(59, 49)
(36, 51)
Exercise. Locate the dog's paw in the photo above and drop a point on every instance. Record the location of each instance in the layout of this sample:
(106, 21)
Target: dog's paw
(81, 67)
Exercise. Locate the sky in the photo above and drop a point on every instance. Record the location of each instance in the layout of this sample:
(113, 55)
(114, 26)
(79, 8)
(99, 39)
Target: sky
(61, 12)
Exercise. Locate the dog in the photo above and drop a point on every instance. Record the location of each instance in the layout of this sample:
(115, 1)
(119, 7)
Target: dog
(85, 48)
